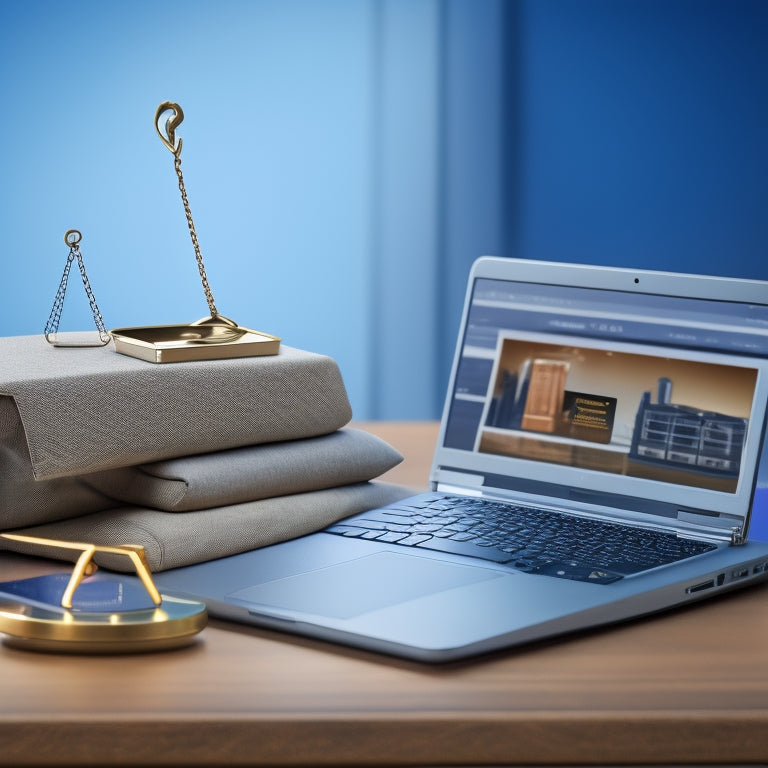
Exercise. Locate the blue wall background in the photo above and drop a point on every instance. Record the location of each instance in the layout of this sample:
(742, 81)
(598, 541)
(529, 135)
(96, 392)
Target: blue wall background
(643, 134)
(347, 160)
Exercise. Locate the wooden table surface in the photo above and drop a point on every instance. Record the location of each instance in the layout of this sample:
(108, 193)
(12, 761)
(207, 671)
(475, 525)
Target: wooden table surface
(689, 686)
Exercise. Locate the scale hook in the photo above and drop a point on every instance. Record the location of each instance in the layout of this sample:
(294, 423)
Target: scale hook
(171, 124)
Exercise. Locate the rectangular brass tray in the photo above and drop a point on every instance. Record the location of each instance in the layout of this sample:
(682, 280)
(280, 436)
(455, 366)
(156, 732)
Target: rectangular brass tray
(180, 343)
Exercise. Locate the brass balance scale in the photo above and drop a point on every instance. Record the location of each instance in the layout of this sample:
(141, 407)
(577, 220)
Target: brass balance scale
(108, 613)
(214, 337)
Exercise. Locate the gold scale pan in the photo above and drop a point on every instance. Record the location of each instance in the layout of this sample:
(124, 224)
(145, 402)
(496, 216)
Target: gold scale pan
(211, 338)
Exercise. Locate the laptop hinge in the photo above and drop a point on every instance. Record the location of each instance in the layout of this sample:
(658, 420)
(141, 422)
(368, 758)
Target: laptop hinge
(737, 536)
(710, 526)
(701, 535)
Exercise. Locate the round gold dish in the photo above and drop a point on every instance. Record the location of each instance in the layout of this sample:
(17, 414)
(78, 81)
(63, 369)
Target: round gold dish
(172, 624)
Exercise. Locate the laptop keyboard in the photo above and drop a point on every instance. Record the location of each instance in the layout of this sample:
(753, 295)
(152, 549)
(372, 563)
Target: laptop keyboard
(527, 538)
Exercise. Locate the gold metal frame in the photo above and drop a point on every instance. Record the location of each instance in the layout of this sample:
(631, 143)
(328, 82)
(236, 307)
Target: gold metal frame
(170, 623)
(85, 565)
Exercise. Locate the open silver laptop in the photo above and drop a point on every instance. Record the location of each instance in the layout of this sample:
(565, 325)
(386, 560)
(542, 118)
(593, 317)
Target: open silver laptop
(598, 460)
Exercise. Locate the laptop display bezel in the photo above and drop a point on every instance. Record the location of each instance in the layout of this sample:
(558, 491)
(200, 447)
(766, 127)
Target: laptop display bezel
(647, 499)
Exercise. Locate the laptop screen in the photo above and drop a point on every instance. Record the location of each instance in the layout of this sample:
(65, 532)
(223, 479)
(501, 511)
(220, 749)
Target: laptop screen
(654, 404)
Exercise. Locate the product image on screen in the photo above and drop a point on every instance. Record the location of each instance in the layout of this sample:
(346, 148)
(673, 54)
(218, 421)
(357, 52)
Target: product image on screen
(638, 414)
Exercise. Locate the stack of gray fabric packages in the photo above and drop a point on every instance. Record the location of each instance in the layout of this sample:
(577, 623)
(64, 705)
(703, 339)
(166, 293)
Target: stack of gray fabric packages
(193, 461)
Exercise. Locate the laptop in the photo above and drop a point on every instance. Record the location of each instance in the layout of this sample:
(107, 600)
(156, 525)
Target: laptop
(598, 460)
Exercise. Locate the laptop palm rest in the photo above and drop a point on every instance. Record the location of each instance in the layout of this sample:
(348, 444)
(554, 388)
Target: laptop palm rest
(359, 586)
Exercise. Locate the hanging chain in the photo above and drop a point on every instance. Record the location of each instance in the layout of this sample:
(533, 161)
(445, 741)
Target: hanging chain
(169, 139)
(193, 235)
(52, 326)
(72, 239)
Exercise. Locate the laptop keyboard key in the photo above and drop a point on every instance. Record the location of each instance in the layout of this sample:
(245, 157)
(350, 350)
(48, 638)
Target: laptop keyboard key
(468, 549)
(392, 537)
(463, 536)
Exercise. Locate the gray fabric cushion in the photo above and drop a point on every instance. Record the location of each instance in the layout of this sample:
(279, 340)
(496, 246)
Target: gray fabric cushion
(25, 501)
(87, 410)
(172, 540)
(246, 474)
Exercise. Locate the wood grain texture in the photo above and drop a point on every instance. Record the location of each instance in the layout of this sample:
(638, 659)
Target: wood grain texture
(683, 687)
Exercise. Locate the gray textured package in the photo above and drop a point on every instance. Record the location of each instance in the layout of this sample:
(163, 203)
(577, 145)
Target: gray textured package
(68, 412)
(26, 501)
(87, 410)
(237, 453)
(246, 474)
(172, 539)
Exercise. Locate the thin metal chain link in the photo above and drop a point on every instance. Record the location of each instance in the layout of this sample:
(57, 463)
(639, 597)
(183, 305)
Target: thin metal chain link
(52, 326)
(97, 318)
(58, 303)
(191, 224)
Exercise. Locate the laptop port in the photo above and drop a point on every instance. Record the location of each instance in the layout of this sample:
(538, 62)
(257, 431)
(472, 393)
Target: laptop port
(760, 568)
(720, 579)
(740, 573)
(700, 587)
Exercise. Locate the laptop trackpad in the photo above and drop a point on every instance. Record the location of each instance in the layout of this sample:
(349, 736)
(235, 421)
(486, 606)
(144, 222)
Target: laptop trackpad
(366, 584)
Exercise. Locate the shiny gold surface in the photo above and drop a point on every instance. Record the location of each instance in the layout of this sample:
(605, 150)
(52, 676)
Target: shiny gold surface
(33, 625)
(206, 339)
(36, 628)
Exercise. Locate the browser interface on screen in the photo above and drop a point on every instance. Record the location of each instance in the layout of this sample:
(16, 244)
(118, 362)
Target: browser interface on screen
(647, 397)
